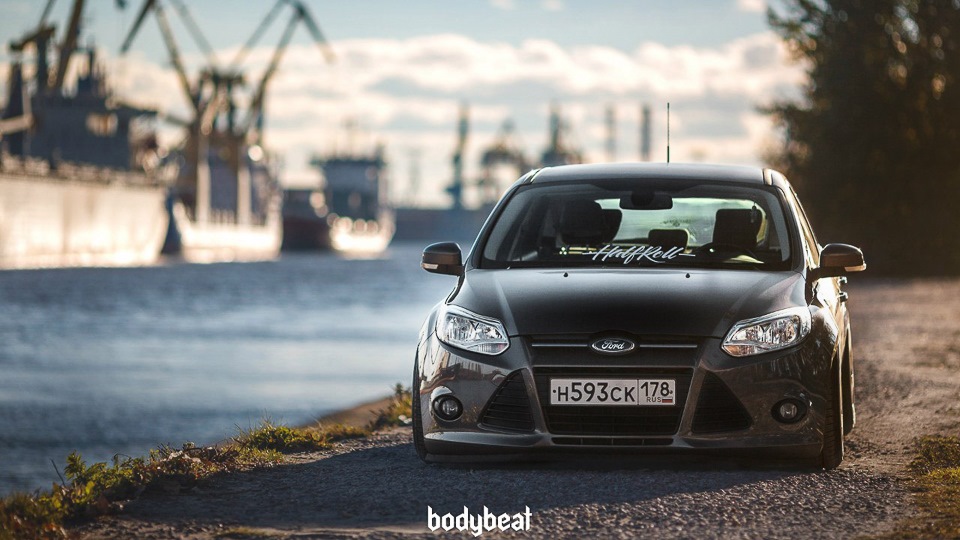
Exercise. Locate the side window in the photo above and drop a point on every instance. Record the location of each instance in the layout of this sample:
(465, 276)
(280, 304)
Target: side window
(812, 248)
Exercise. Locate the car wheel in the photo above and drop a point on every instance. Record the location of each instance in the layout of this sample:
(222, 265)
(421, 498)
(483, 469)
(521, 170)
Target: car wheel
(418, 443)
(832, 453)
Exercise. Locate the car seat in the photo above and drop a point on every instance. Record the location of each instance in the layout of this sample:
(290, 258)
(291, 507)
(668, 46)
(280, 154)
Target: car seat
(668, 238)
(582, 223)
(737, 227)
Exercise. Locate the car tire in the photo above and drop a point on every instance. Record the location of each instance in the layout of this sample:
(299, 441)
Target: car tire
(849, 405)
(831, 455)
(415, 407)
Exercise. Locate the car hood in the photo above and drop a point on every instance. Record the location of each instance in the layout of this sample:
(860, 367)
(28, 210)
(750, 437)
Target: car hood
(668, 302)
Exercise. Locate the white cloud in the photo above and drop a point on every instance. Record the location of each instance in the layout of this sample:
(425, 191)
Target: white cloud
(407, 93)
(552, 5)
(510, 5)
(752, 6)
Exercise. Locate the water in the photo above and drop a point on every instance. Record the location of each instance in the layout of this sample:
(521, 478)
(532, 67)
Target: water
(108, 361)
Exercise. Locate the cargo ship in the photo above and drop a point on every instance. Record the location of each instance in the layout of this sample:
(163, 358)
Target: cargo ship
(81, 182)
(348, 212)
(360, 220)
(225, 205)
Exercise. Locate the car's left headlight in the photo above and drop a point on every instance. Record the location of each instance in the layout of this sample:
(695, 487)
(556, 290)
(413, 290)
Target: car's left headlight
(778, 330)
(465, 329)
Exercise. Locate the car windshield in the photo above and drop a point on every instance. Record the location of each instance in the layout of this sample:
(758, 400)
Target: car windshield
(620, 224)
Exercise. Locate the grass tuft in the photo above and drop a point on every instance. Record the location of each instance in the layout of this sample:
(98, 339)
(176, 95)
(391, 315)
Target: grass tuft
(31, 516)
(938, 468)
(936, 482)
(398, 413)
(936, 452)
(341, 432)
(98, 489)
(101, 488)
(279, 438)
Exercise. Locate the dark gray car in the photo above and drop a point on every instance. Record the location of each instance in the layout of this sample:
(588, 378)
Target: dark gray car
(639, 307)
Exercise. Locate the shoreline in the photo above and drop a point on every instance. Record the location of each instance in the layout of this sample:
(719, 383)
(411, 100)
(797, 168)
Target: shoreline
(358, 416)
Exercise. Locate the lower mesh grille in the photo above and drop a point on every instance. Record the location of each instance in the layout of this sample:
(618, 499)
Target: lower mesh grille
(509, 408)
(622, 421)
(611, 441)
(718, 410)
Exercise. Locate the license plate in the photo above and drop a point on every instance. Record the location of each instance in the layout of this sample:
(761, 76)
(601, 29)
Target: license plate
(655, 392)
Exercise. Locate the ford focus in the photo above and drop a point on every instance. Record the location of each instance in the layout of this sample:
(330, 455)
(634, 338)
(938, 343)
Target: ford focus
(637, 308)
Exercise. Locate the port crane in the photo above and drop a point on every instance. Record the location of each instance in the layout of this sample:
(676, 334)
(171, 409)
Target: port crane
(216, 126)
(504, 150)
(558, 150)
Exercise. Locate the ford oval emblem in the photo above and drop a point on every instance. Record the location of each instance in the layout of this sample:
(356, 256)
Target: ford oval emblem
(613, 345)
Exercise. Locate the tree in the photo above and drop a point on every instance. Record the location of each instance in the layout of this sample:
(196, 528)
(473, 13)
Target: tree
(873, 146)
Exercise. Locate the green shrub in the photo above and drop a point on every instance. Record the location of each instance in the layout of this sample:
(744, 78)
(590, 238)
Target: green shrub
(398, 413)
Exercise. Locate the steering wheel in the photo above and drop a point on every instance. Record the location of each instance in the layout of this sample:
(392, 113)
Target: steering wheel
(717, 247)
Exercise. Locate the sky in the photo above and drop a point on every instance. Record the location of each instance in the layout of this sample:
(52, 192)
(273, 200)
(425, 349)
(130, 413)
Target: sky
(402, 70)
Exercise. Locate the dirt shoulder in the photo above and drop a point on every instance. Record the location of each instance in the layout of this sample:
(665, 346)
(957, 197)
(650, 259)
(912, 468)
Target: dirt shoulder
(907, 350)
(359, 416)
(907, 353)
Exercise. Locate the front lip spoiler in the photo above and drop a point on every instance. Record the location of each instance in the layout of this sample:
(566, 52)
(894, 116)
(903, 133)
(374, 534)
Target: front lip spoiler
(460, 447)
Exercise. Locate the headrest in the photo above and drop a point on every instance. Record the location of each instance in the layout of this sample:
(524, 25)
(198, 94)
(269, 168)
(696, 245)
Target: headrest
(737, 227)
(611, 224)
(582, 223)
(668, 238)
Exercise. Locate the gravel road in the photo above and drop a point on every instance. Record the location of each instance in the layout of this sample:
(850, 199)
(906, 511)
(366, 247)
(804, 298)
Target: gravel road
(907, 348)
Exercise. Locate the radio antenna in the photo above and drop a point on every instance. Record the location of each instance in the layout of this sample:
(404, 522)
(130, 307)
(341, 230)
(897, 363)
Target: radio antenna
(668, 132)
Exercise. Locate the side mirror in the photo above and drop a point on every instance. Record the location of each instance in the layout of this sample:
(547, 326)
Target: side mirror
(443, 258)
(839, 259)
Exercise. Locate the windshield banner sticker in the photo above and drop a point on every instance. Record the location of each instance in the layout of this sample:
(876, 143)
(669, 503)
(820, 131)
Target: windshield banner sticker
(654, 254)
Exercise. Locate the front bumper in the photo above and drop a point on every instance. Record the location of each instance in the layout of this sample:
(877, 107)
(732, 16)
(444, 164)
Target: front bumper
(724, 404)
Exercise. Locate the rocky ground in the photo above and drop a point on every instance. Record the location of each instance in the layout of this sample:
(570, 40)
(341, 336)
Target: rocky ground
(907, 349)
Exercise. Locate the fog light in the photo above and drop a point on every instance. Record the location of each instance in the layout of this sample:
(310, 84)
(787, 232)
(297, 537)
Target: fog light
(789, 411)
(447, 407)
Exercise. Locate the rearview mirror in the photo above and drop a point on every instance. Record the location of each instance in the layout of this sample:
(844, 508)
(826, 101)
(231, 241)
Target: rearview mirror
(443, 258)
(646, 200)
(839, 259)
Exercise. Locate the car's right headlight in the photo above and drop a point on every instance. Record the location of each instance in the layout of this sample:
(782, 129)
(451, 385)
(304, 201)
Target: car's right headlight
(467, 330)
(778, 330)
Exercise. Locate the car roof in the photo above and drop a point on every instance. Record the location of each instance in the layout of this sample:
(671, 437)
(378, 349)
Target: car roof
(653, 171)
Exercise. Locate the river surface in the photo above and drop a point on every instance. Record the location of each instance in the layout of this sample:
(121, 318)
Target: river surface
(120, 360)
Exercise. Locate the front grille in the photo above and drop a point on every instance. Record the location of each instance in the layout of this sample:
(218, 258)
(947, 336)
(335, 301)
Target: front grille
(509, 408)
(574, 350)
(718, 410)
(582, 341)
(611, 441)
(617, 420)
